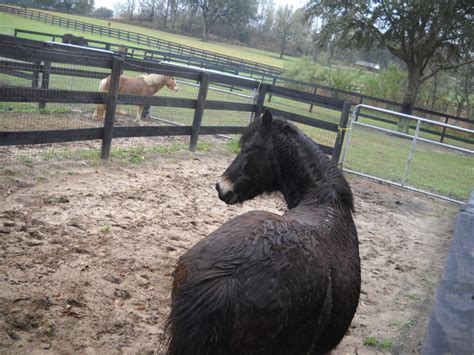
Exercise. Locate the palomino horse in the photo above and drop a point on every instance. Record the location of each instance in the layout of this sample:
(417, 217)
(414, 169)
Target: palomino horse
(265, 283)
(144, 85)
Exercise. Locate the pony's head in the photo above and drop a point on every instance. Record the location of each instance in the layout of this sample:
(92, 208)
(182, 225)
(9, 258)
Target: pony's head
(255, 169)
(171, 83)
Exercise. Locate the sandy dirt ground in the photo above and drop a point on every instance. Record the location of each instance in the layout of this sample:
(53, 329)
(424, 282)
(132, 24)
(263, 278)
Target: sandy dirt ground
(87, 249)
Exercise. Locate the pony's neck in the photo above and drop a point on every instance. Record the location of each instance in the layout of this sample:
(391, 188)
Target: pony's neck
(158, 81)
(161, 82)
(307, 177)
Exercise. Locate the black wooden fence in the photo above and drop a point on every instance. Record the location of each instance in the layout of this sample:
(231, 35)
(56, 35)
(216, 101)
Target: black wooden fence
(357, 98)
(50, 55)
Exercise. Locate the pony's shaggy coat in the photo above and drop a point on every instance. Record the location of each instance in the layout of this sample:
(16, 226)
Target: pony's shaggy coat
(69, 38)
(144, 85)
(264, 283)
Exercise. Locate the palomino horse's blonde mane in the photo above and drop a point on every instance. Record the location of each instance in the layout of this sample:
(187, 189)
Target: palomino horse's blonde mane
(155, 79)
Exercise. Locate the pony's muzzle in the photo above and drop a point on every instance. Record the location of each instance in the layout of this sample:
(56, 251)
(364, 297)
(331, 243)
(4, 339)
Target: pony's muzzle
(226, 192)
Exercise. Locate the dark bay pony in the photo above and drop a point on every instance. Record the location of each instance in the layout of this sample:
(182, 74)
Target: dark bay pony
(143, 85)
(264, 283)
(77, 40)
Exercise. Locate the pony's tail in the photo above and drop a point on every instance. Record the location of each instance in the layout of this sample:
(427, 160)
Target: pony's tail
(104, 84)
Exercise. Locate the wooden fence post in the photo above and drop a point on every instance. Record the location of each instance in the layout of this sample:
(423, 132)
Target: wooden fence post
(46, 73)
(145, 112)
(315, 90)
(111, 105)
(36, 74)
(336, 153)
(361, 101)
(443, 133)
(262, 92)
(273, 83)
(199, 111)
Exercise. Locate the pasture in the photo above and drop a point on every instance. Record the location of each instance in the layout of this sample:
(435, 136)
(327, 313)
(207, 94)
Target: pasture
(88, 248)
(9, 22)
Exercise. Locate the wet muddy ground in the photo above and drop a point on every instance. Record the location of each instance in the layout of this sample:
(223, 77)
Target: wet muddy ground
(87, 249)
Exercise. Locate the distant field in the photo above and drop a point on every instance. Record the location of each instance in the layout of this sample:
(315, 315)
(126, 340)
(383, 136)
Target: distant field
(9, 22)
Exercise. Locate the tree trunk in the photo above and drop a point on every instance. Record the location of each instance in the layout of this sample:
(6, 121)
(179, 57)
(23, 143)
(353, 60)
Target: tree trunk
(434, 92)
(167, 11)
(173, 15)
(283, 45)
(205, 33)
(331, 51)
(411, 92)
(460, 108)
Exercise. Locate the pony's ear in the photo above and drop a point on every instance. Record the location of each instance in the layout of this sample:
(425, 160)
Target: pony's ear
(267, 119)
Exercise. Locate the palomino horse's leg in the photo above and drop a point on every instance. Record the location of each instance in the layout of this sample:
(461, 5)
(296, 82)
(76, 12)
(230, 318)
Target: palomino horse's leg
(139, 113)
(99, 113)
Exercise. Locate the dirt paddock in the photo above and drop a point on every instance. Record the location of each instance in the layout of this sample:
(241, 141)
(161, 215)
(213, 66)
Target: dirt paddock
(87, 249)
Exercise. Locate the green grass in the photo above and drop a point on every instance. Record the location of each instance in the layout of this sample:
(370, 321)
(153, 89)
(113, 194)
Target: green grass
(21, 108)
(422, 134)
(130, 155)
(395, 324)
(68, 154)
(252, 54)
(382, 344)
(413, 297)
(233, 146)
(434, 168)
(105, 229)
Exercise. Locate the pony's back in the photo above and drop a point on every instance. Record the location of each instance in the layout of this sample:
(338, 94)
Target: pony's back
(267, 292)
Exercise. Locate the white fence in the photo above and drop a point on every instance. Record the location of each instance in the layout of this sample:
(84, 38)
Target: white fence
(411, 160)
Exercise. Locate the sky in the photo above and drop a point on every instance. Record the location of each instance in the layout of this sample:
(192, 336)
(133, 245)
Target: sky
(111, 3)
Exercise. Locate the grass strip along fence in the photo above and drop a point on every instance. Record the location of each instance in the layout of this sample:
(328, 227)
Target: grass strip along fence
(247, 69)
(38, 60)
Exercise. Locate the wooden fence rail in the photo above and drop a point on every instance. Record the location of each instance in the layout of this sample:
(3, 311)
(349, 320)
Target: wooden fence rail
(33, 52)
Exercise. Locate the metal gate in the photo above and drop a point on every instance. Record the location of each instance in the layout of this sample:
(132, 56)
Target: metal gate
(411, 160)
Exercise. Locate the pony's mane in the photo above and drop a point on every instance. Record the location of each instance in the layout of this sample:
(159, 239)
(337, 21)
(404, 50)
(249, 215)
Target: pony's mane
(155, 79)
(331, 184)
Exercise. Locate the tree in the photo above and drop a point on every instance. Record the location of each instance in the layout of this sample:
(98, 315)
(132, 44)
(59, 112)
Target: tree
(262, 26)
(43, 4)
(149, 8)
(175, 8)
(427, 35)
(284, 27)
(83, 7)
(126, 8)
(216, 10)
(103, 12)
(65, 5)
(463, 92)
